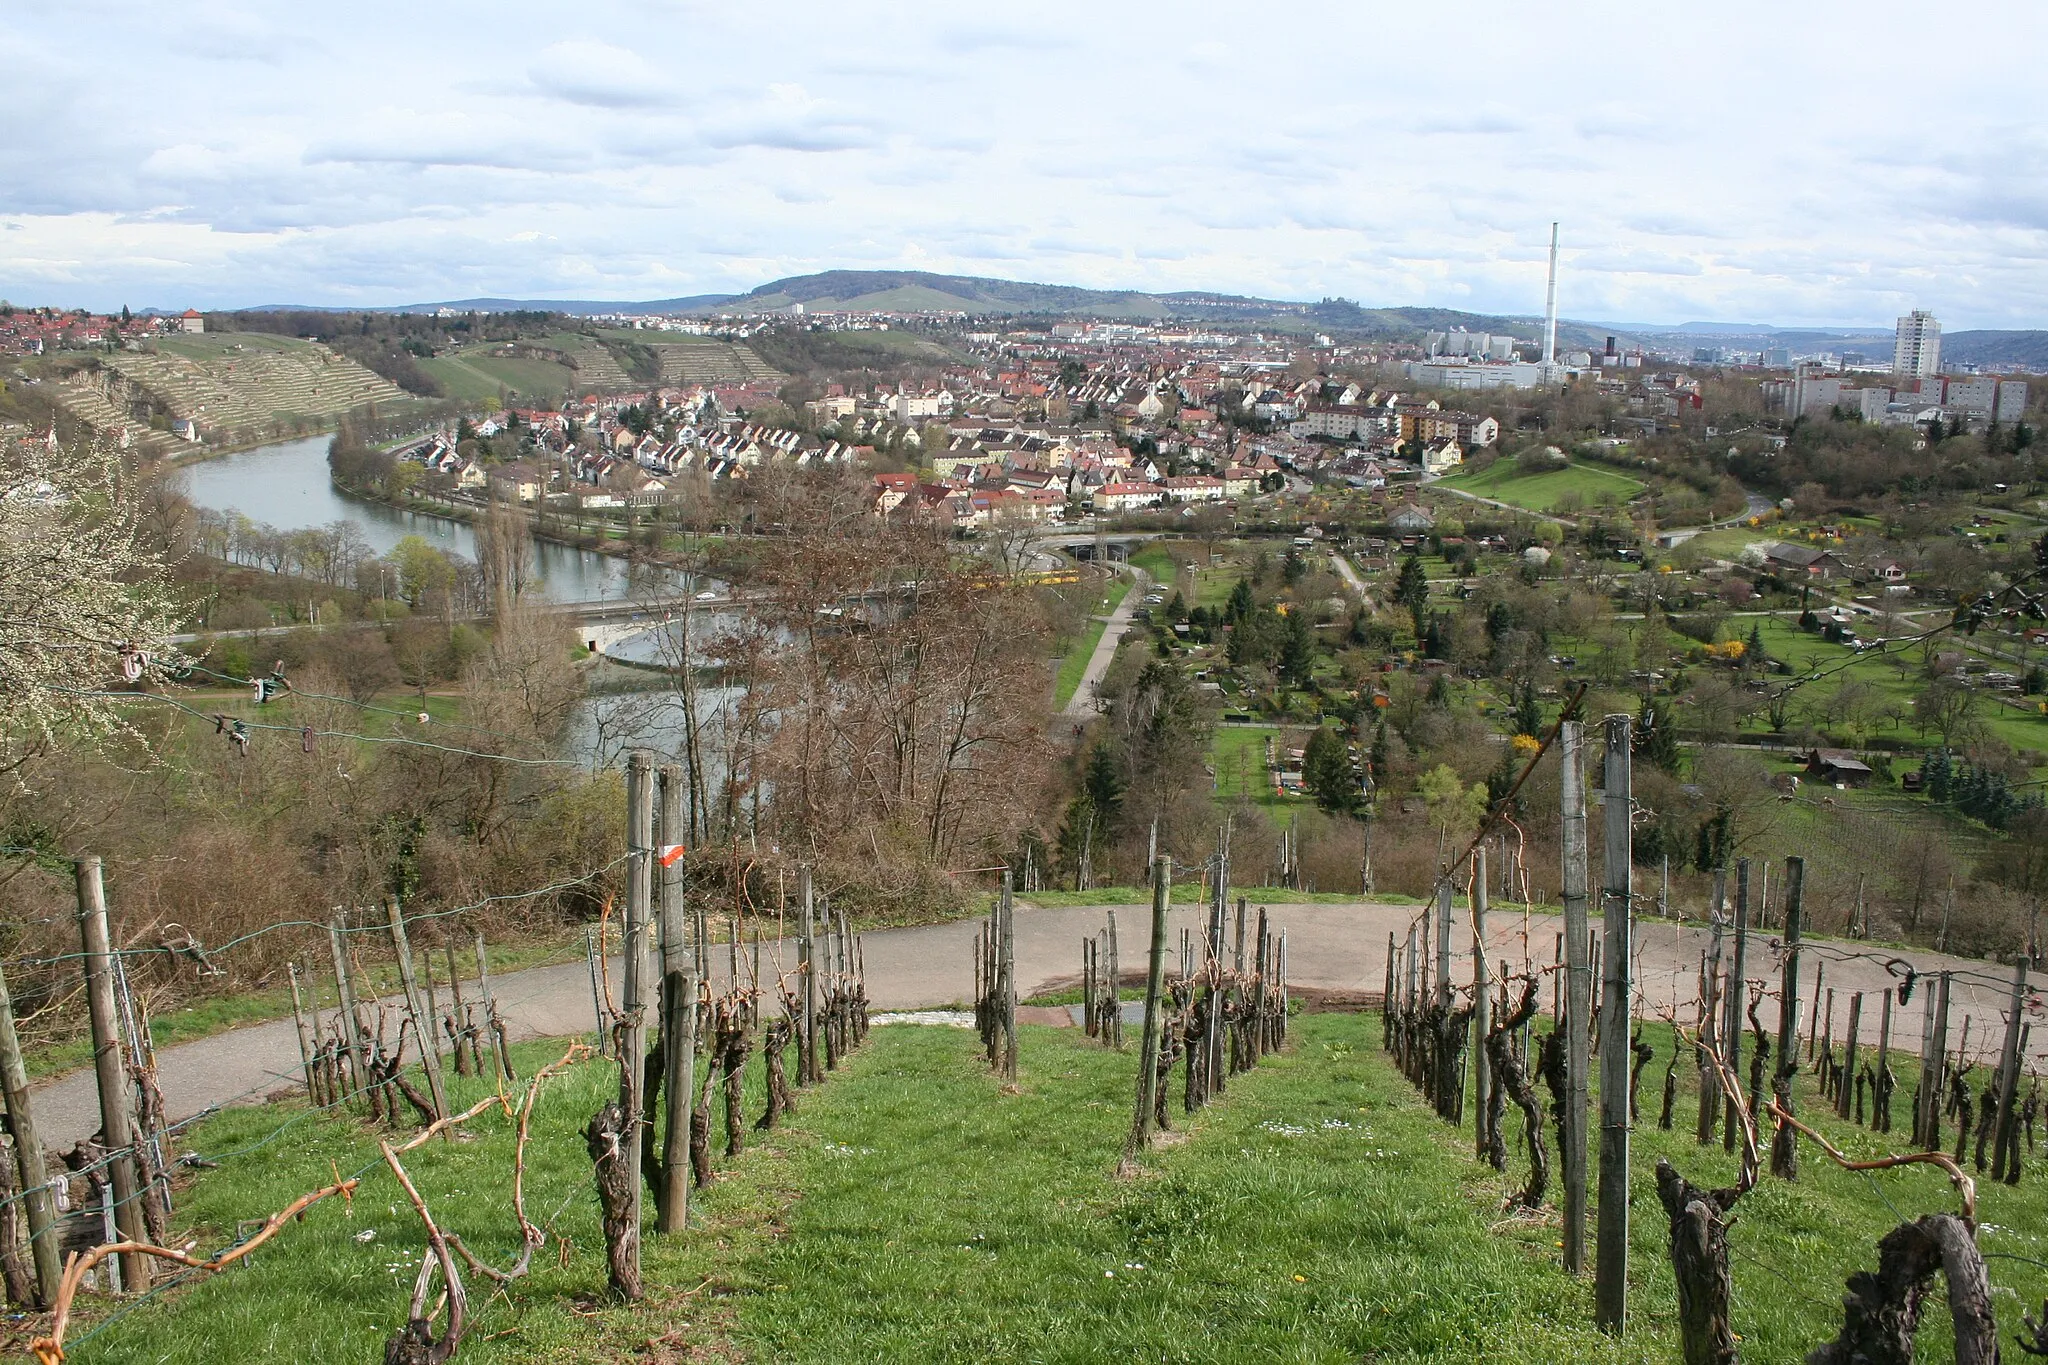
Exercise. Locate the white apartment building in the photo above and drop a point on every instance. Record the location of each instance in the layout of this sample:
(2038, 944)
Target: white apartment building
(1916, 348)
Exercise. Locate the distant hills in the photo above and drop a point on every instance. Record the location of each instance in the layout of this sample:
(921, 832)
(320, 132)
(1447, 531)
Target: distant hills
(924, 291)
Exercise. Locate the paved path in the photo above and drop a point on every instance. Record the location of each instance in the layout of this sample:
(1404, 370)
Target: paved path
(1339, 947)
(1082, 705)
(1350, 576)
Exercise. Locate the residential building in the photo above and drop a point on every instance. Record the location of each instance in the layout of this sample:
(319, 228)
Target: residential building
(1194, 488)
(190, 321)
(1916, 347)
(1127, 497)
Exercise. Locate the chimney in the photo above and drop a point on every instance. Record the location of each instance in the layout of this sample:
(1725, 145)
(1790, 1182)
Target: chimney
(1550, 306)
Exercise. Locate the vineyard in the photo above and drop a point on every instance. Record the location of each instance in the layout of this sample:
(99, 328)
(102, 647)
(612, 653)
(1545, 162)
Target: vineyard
(709, 361)
(1163, 1147)
(243, 381)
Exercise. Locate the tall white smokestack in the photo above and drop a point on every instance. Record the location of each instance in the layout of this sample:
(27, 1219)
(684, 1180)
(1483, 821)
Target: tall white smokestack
(1550, 306)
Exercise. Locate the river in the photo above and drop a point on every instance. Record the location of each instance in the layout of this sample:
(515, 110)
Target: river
(287, 486)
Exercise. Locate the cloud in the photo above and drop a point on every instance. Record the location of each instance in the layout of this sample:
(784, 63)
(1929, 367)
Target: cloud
(396, 151)
(585, 71)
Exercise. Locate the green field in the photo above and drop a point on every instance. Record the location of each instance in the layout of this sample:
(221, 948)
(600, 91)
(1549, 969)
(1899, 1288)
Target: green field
(481, 377)
(1238, 755)
(915, 1210)
(1895, 675)
(1504, 482)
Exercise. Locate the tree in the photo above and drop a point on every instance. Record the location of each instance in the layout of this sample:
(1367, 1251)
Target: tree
(1947, 709)
(1528, 716)
(83, 596)
(1453, 809)
(1326, 771)
(1241, 605)
(1657, 735)
(422, 569)
(1411, 587)
(1298, 650)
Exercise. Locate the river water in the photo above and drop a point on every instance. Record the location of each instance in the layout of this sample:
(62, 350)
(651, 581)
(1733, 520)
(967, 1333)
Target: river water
(286, 486)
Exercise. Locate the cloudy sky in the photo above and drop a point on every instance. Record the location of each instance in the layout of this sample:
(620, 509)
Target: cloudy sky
(1813, 163)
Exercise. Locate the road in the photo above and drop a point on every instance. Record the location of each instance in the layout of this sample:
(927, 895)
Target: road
(1082, 706)
(1330, 947)
(1351, 578)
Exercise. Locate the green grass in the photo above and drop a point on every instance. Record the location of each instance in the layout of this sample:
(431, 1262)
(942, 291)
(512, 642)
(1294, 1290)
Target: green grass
(1503, 481)
(213, 345)
(1076, 661)
(481, 377)
(1238, 755)
(1783, 639)
(914, 1211)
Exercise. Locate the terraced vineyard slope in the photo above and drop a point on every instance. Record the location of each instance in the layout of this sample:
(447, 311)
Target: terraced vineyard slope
(235, 386)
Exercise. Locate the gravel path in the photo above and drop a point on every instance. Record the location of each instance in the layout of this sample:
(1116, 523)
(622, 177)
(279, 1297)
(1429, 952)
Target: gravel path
(1081, 706)
(1336, 947)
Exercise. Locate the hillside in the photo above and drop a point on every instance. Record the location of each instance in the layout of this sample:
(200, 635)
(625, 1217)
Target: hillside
(1994, 350)
(236, 386)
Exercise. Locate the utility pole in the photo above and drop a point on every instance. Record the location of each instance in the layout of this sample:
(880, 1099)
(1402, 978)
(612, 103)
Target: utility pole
(29, 1163)
(1610, 1275)
(1578, 1006)
(106, 1059)
(678, 1015)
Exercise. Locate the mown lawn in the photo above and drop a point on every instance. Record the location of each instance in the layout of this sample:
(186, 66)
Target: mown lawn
(913, 1210)
(1503, 481)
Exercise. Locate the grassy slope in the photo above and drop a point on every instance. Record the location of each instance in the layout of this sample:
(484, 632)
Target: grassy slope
(1317, 1213)
(1503, 482)
(481, 376)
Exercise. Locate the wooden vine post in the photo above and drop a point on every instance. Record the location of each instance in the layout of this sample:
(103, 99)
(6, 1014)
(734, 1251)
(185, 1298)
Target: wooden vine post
(1148, 1045)
(1482, 1018)
(423, 1024)
(106, 1056)
(1447, 1044)
(351, 1020)
(612, 1137)
(2005, 1144)
(810, 1071)
(1845, 1083)
(1732, 1002)
(1578, 1008)
(1610, 1274)
(1006, 964)
(678, 1014)
(1785, 1144)
(37, 1197)
(1710, 1000)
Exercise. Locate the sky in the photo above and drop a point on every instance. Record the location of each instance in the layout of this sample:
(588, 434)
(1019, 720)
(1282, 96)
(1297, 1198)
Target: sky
(1823, 163)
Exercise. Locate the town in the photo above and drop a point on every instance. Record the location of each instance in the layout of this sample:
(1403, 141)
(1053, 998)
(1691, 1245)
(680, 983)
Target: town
(792, 684)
